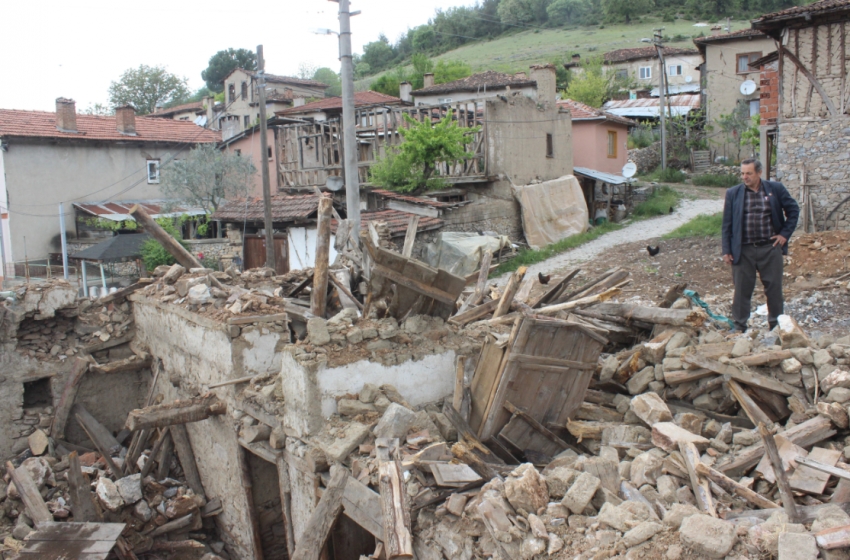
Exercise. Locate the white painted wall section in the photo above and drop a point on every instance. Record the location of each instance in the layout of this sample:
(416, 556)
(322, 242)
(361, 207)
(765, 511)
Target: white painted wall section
(4, 218)
(302, 248)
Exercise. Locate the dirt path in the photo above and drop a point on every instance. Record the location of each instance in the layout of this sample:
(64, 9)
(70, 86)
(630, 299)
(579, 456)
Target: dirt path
(636, 231)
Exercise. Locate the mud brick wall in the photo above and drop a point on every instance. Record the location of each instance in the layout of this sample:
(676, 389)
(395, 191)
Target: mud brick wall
(822, 49)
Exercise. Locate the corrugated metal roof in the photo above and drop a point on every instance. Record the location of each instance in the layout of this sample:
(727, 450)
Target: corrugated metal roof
(677, 89)
(120, 211)
(609, 178)
(649, 107)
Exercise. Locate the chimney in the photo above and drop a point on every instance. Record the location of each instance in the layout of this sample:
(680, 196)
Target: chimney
(716, 30)
(209, 106)
(521, 76)
(429, 80)
(404, 89)
(545, 76)
(125, 117)
(66, 114)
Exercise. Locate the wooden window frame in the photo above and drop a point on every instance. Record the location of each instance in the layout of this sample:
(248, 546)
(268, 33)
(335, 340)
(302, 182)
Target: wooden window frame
(612, 144)
(738, 58)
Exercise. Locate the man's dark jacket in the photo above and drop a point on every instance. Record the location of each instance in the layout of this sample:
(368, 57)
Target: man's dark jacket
(783, 213)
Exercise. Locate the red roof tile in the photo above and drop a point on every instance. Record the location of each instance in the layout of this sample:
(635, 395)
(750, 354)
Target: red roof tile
(582, 112)
(41, 124)
(740, 34)
(489, 80)
(624, 55)
(815, 9)
(284, 208)
(361, 99)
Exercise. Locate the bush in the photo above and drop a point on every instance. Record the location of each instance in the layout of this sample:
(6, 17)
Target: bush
(660, 203)
(716, 180)
(669, 175)
(641, 137)
(154, 254)
(701, 226)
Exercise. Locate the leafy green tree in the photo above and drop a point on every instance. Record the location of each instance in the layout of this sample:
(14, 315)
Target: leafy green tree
(591, 87)
(223, 63)
(627, 9)
(206, 177)
(329, 77)
(752, 136)
(451, 70)
(378, 54)
(146, 87)
(424, 38)
(306, 70)
(523, 11)
(410, 166)
(561, 12)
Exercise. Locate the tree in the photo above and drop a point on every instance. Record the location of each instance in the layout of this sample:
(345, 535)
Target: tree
(424, 38)
(561, 12)
(378, 54)
(146, 87)
(206, 177)
(306, 70)
(627, 9)
(734, 125)
(410, 166)
(591, 87)
(523, 11)
(97, 109)
(451, 70)
(223, 63)
(331, 78)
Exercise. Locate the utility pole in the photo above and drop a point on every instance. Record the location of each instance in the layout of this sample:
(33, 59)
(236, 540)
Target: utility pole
(349, 137)
(662, 97)
(264, 159)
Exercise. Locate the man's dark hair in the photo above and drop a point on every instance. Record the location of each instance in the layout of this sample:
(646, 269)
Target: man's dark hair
(756, 164)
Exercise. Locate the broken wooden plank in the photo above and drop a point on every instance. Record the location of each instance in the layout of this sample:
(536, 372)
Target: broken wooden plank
(597, 413)
(121, 293)
(410, 236)
(781, 478)
(475, 313)
(836, 537)
(100, 437)
(807, 513)
(186, 456)
(765, 358)
(686, 375)
(481, 284)
(537, 426)
(399, 542)
(177, 412)
(590, 300)
(251, 319)
(363, 506)
(734, 487)
(181, 255)
(554, 291)
(510, 291)
(747, 377)
(173, 525)
(319, 294)
(79, 489)
(66, 400)
(315, 533)
(654, 315)
(749, 406)
(415, 285)
(163, 436)
(133, 363)
(347, 298)
(788, 452)
(825, 468)
(813, 480)
(80, 541)
(30, 496)
(111, 343)
(286, 503)
(466, 434)
(702, 491)
(448, 474)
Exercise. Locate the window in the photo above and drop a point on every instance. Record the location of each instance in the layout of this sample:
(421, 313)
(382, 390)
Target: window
(550, 148)
(231, 93)
(621, 75)
(238, 152)
(744, 61)
(247, 119)
(674, 70)
(269, 148)
(244, 90)
(612, 143)
(645, 72)
(754, 107)
(37, 393)
(445, 100)
(153, 171)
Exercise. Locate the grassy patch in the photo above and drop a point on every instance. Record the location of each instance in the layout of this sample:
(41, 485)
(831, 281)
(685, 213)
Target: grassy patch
(716, 180)
(703, 225)
(527, 257)
(659, 203)
(669, 175)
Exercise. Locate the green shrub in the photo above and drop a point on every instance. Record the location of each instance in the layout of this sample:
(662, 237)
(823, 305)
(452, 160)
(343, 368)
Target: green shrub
(703, 225)
(716, 180)
(527, 257)
(641, 137)
(669, 175)
(659, 203)
(153, 253)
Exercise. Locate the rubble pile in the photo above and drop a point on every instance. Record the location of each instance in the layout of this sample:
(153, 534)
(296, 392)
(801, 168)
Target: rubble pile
(821, 255)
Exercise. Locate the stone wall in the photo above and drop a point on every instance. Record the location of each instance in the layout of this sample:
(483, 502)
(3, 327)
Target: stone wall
(646, 159)
(822, 148)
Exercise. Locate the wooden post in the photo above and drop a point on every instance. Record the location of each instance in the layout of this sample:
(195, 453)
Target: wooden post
(286, 502)
(78, 487)
(264, 165)
(781, 478)
(398, 543)
(248, 486)
(319, 525)
(177, 412)
(319, 295)
(66, 400)
(733, 487)
(100, 436)
(184, 257)
(410, 236)
(510, 291)
(483, 273)
(36, 508)
(163, 435)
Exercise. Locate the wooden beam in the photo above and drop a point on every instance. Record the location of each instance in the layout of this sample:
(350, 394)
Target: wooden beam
(475, 313)
(415, 285)
(286, 502)
(741, 376)
(399, 542)
(124, 292)
(734, 487)
(66, 400)
(749, 406)
(779, 471)
(186, 259)
(319, 295)
(410, 236)
(510, 291)
(339, 286)
(814, 81)
(654, 315)
(177, 412)
(552, 293)
(80, 491)
(836, 537)
(258, 319)
(590, 300)
(30, 496)
(702, 491)
(319, 525)
(133, 363)
(186, 456)
(834, 471)
(363, 506)
(807, 513)
(478, 294)
(531, 421)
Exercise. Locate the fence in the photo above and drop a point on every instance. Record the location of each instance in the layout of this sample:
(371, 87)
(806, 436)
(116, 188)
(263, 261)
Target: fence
(38, 270)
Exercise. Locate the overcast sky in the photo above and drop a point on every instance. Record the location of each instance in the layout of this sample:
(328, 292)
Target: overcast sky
(53, 48)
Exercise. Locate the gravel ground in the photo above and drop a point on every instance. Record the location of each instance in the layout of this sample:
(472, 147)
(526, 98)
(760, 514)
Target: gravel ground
(636, 231)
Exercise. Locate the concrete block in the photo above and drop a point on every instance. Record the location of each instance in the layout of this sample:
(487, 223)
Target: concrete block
(650, 408)
(676, 514)
(797, 546)
(708, 535)
(347, 439)
(581, 492)
(526, 489)
(689, 421)
(645, 469)
(558, 481)
(108, 495)
(642, 533)
(742, 347)
(667, 436)
(641, 380)
(130, 488)
(395, 422)
(369, 393)
(317, 331)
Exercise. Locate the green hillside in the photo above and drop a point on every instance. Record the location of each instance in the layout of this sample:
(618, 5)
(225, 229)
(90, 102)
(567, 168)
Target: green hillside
(516, 52)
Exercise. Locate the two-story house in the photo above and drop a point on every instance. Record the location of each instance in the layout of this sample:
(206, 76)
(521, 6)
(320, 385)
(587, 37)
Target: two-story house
(47, 159)
(640, 67)
(241, 98)
(729, 82)
(484, 85)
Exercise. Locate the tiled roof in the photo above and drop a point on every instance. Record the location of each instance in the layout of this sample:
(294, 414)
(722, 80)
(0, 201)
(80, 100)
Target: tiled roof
(361, 98)
(284, 208)
(478, 82)
(740, 34)
(818, 8)
(396, 220)
(197, 107)
(582, 112)
(41, 124)
(624, 55)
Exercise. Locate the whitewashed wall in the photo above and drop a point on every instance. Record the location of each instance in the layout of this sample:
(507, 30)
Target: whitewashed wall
(302, 248)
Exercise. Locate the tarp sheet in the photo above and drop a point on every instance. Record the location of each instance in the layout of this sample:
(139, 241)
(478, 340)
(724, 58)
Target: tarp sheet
(460, 252)
(552, 210)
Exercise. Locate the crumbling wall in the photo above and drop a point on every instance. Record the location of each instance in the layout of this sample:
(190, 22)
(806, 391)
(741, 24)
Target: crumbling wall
(109, 397)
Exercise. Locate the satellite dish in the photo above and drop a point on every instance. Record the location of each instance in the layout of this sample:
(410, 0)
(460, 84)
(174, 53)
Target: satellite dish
(689, 79)
(334, 183)
(629, 170)
(748, 87)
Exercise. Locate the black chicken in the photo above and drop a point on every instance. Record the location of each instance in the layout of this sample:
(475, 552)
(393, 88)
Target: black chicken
(653, 250)
(544, 278)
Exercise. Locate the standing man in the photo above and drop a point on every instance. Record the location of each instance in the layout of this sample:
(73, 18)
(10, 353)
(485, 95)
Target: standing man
(758, 218)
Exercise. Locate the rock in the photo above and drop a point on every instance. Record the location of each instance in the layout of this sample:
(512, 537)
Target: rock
(708, 535)
(689, 421)
(558, 481)
(180, 506)
(354, 336)
(803, 355)
(678, 340)
(416, 324)
(650, 408)
(609, 368)
(674, 552)
(447, 429)
(455, 504)
(797, 546)
(353, 407)
(175, 272)
(791, 366)
(641, 533)
(369, 393)
(581, 492)
(142, 511)
(745, 438)
(742, 347)
(706, 402)
(624, 433)
(38, 442)
(108, 494)
(676, 514)
(346, 440)
(525, 489)
(255, 433)
(822, 358)
(830, 517)
(130, 488)
(21, 530)
(790, 333)
(667, 487)
(667, 436)
(395, 422)
(538, 528)
(277, 438)
(317, 331)
(838, 395)
(645, 469)
(625, 516)
(766, 536)
(556, 544)
(382, 403)
(532, 546)
(836, 378)
(641, 380)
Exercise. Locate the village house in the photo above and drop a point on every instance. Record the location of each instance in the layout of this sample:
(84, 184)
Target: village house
(482, 86)
(241, 98)
(47, 159)
(639, 67)
(600, 138)
(729, 82)
(202, 112)
(812, 126)
(331, 107)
